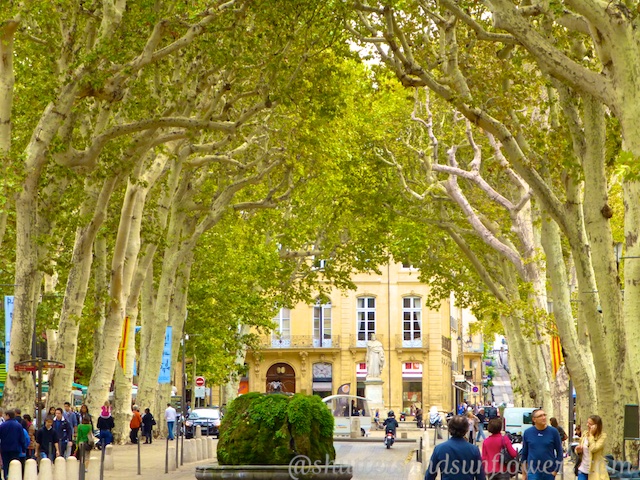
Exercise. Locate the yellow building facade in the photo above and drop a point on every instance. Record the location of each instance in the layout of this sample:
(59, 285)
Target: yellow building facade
(316, 349)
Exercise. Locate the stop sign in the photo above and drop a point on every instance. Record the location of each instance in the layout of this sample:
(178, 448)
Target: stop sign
(200, 381)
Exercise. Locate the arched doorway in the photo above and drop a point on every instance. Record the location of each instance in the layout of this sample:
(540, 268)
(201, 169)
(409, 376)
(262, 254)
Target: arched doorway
(281, 378)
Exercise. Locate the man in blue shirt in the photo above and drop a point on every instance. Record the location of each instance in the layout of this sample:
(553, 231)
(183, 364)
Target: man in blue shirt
(541, 452)
(456, 459)
(12, 441)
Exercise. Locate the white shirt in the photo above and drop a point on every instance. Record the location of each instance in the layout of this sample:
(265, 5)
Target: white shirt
(170, 414)
(586, 457)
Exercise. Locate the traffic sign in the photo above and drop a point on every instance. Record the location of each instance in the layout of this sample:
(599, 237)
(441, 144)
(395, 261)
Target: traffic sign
(200, 381)
(475, 389)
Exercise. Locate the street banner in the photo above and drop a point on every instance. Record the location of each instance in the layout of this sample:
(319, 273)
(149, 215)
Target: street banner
(124, 341)
(165, 366)
(8, 321)
(556, 354)
(344, 389)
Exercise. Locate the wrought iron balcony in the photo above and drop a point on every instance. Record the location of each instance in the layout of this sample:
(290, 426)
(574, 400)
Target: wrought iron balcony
(406, 340)
(357, 340)
(299, 341)
(446, 343)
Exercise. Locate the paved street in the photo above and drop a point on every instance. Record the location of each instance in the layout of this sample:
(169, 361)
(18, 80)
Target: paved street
(501, 391)
(370, 459)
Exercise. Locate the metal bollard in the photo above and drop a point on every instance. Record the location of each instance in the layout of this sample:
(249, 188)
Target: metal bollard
(166, 456)
(139, 466)
(103, 453)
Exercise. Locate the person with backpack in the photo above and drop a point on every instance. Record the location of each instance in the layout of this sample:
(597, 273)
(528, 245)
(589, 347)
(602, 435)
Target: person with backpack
(495, 466)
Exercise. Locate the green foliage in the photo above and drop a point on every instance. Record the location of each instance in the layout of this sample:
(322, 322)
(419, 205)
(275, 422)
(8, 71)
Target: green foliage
(272, 429)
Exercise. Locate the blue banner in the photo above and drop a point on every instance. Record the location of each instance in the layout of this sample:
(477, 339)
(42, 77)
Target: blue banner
(8, 321)
(165, 366)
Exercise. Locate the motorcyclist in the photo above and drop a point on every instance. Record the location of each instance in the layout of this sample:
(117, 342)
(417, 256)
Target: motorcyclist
(434, 417)
(390, 423)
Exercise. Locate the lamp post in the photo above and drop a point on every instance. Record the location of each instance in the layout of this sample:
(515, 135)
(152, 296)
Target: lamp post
(184, 393)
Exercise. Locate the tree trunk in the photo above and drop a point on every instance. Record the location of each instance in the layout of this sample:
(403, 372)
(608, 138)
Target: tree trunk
(96, 201)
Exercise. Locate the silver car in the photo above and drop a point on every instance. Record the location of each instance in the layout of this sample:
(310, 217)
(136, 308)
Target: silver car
(207, 418)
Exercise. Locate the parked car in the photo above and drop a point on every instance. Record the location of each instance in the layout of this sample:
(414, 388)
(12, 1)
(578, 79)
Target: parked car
(207, 418)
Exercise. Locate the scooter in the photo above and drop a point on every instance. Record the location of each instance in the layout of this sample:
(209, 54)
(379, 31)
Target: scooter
(389, 438)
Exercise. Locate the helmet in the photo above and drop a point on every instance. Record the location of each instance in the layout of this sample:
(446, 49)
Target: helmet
(391, 414)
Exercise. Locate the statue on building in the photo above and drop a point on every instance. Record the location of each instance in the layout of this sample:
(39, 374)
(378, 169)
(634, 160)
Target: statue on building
(375, 358)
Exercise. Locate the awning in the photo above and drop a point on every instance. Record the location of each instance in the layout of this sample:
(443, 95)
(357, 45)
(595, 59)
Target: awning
(321, 386)
(460, 388)
(84, 388)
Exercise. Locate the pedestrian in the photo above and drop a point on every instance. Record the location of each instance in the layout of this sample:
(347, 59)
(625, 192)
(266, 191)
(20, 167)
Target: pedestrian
(147, 425)
(19, 418)
(473, 425)
(563, 435)
(71, 417)
(419, 417)
(85, 431)
(491, 448)
(25, 451)
(31, 430)
(52, 412)
(47, 441)
(591, 447)
(135, 424)
(84, 412)
(106, 425)
(12, 440)
(541, 452)
(456, 459)
(64, 431)
(170, 415)
(481, 419)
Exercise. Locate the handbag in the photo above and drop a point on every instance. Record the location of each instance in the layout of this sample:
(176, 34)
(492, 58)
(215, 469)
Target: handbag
(91, 440)
(507, 460)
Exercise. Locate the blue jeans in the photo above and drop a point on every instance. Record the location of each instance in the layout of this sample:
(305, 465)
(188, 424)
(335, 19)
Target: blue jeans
(170, 426)
(582, 476)
(480, 433)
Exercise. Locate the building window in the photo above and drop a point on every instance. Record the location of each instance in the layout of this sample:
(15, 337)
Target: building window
(322, 379)
(366, 313)
(411, 322)
(322, 324)
(281, 336)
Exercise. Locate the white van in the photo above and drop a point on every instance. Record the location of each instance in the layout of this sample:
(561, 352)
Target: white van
(517, 419)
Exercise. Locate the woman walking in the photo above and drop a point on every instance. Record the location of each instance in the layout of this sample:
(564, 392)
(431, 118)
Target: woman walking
(491, 447)
(593, 464)
(147, 425)
(84, 431)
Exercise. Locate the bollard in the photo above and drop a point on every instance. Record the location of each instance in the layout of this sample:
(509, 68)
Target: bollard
(139, 463)
(210, 447)
(172, 459)
(189, 451)
(73, 468)
(166, 456)
(45, 470)
(198, 449)
(31, 470)
(183, 433)
(103, 455)
(108, 458)
(15, 470)
(197, 431)
(60, 470)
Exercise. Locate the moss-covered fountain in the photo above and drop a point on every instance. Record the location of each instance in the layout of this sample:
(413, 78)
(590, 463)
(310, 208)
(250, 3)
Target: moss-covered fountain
(276, 436)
